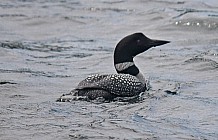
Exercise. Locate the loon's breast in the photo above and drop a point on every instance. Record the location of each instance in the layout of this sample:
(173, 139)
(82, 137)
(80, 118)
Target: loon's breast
(116, 84)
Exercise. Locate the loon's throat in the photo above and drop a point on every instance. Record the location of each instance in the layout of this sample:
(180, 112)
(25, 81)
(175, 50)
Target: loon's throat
(141, 77)
(130, 68)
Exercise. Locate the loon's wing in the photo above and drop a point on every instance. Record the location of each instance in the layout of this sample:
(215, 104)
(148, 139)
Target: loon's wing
(117, 84)
(91, 82)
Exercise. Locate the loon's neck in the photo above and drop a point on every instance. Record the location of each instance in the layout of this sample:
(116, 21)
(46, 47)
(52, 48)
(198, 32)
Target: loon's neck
(129, 68)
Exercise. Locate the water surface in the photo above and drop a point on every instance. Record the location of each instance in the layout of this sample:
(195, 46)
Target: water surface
(47, 47)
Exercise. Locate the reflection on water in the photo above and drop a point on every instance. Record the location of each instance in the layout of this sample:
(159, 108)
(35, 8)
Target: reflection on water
(48, 47)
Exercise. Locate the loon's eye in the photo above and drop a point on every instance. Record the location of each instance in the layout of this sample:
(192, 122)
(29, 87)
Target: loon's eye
(138, 41)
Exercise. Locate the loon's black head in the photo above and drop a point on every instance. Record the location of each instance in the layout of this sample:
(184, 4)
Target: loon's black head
(132, 45)
(128, 48)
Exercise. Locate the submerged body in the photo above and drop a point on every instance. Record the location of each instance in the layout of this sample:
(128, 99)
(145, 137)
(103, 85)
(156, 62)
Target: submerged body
(127, 83)
(107, 86)
(114, 84)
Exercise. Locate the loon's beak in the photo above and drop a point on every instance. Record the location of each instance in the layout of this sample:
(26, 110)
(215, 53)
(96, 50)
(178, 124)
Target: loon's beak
(154, 43)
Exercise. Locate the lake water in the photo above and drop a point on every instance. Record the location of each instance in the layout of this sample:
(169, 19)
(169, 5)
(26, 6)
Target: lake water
(48, 46)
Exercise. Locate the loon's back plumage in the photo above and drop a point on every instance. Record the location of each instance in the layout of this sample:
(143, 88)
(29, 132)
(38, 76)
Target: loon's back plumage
(106, 86)
(116, 84)
(127, 83)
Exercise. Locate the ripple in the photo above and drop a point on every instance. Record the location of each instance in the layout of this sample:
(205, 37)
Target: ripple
(188, 10)
(19, 96)
(204, 63)
(6, 82)
(12, 15)
(95, 9)
(113, 2)
(51, 46)
(32, 46)
(34, 73)
(205, 101)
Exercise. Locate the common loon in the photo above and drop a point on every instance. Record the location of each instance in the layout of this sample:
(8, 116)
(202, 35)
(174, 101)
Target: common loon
(127, 83)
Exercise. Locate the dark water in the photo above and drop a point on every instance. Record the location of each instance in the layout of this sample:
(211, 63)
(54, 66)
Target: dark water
(48, 46)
